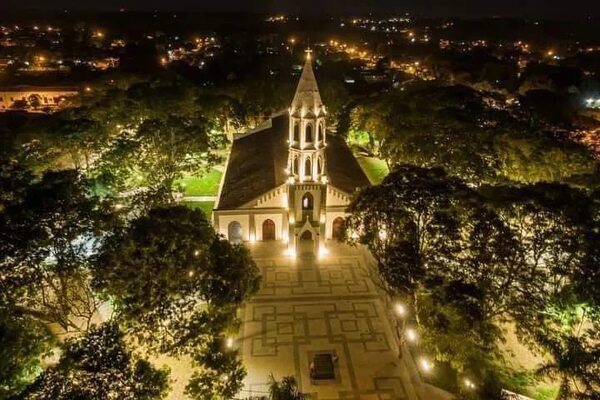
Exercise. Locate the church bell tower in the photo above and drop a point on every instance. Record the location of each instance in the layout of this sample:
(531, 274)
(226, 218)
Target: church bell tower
(307, 179)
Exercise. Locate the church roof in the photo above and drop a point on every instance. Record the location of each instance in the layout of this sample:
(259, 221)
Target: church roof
(257, 164)
(307, 94)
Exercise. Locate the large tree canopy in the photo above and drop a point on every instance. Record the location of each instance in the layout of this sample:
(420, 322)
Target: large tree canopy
(177, 285)
(456, 128)
(47, 235)
(467, 261)
(24, 342)
(99, 366)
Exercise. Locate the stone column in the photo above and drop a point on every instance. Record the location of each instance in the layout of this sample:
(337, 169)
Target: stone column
(252, 233)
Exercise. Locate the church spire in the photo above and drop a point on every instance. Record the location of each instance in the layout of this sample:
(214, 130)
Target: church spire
(307, 97)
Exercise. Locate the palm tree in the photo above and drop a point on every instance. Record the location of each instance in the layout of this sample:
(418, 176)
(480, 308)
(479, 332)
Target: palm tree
(286, 389)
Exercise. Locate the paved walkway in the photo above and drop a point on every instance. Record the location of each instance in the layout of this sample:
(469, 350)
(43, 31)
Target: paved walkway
(308, 305)
(199, 198)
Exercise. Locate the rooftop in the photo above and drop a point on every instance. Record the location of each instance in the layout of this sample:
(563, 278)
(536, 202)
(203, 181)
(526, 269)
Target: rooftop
(257, 164)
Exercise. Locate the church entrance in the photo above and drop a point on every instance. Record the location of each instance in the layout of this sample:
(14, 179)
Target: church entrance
(306, 243)
(306, 235)
(268, 230)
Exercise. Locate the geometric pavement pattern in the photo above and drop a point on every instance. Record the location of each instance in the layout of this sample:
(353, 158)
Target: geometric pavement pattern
(309, 305)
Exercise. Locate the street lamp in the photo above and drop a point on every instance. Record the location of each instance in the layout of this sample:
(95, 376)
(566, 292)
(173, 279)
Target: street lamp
(425, 364)
(400, 309)
(411, 335)
(469, 384)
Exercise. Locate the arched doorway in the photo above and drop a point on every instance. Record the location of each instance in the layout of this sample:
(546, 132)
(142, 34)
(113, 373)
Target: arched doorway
(338, 228)
(268, 230)
(306, 235)
(306, 244)
(234, 232)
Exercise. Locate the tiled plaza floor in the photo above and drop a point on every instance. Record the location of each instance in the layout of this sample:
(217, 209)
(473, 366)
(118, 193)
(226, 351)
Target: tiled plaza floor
(308, 305)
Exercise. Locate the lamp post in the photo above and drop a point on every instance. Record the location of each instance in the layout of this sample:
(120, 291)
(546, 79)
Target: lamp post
(403, 331)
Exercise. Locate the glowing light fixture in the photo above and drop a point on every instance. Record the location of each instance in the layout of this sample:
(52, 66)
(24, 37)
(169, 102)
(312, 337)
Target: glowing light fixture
(400, 309)
(411, 335)
(469, 384)
(425, 364)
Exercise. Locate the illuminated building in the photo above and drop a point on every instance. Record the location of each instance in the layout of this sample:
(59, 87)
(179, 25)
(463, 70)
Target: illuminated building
(289, 180)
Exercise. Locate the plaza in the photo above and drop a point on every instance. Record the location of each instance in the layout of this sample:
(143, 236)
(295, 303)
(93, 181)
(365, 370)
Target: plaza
(311, 305)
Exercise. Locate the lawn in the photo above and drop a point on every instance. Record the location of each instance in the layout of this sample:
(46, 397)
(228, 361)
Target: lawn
(205, 185)
(205, 206)
(374, 168)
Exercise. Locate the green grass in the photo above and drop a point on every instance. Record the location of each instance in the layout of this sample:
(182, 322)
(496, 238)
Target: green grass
(374, 168)
(545, 393)
(205, 206)
(206, 185)
(527, 384)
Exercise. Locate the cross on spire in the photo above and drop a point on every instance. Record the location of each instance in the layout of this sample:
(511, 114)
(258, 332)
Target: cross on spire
(307, 95)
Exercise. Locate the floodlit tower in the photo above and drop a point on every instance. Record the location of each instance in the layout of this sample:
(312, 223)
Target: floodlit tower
(307, 164)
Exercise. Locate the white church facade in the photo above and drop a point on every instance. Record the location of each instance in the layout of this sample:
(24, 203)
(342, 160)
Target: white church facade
(289, 180)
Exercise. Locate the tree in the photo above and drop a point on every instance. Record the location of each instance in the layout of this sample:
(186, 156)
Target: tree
(491, 261)
(177, 285)
(24, 342)
(220, 375)
(158, 154)
(83, 139)
(472, 136)
(34, 101)
(549, 224)
(409, 224)
(286, 389)
(14, 181)
(571, 341)
(99, 366)
(468, 260)
(46, 237)
(174, 279)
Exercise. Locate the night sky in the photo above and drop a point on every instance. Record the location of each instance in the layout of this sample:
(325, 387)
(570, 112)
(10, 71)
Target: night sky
(465, 8)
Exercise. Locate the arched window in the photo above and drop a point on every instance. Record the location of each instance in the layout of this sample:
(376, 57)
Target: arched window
(296, 132)
(308, 135)
(234, 232)
(307, 201)
(307, 167)
(320, 166)
(268, 230)
(339, 225)
(320, 133)
(295, 166)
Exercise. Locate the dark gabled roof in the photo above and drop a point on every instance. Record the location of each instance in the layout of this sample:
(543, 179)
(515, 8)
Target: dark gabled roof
(342, 169)
(257, 164)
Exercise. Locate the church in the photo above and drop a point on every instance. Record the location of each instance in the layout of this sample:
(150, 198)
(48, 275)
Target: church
(289, 180)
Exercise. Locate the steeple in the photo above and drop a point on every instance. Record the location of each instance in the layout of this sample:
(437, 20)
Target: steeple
(307, 138)
(307, 97)
(307, 164)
